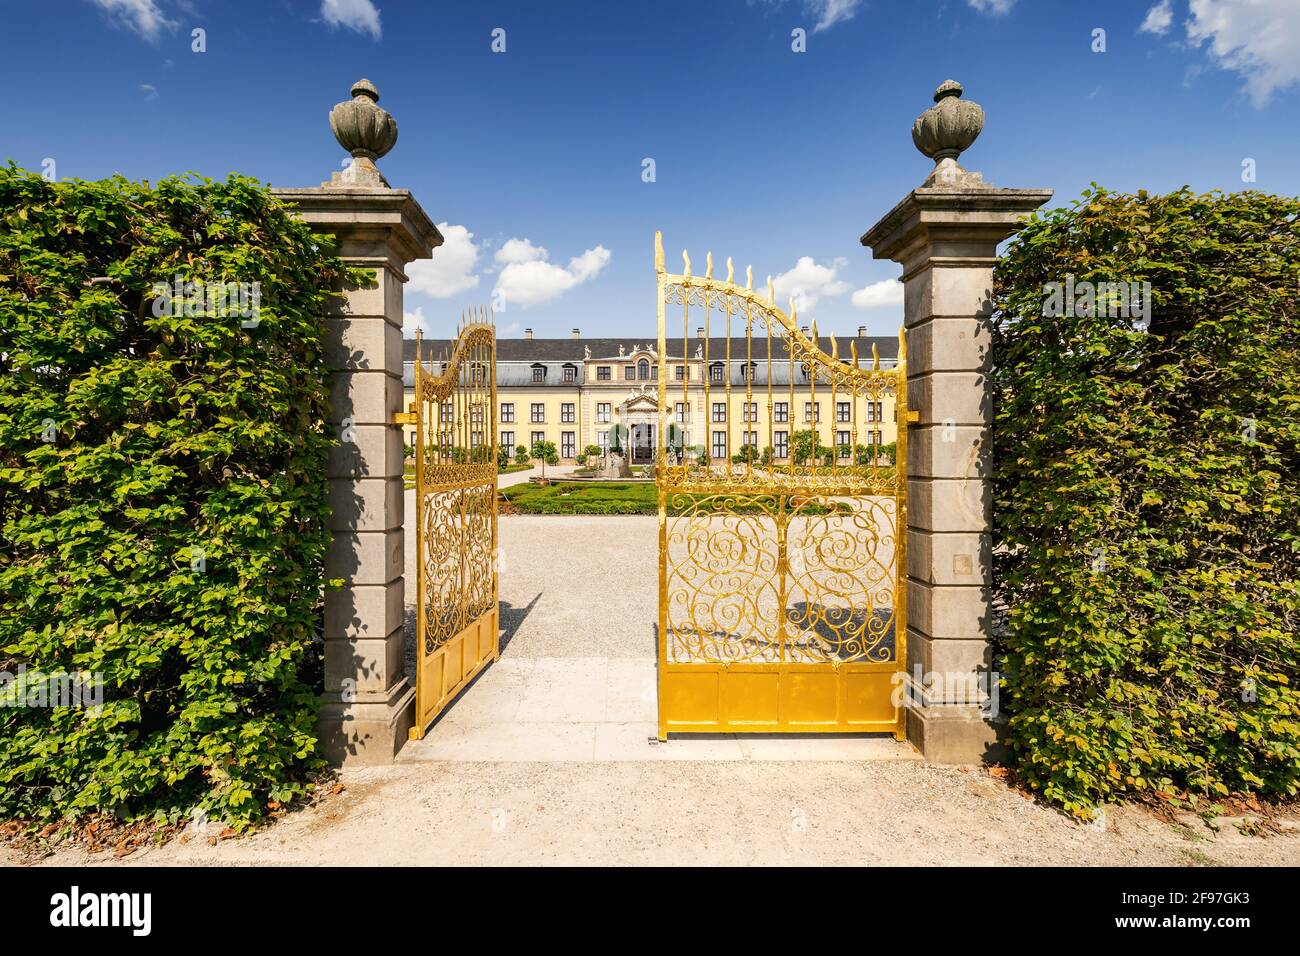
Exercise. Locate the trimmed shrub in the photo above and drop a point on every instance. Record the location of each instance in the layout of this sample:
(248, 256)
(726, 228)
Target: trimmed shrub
(162, 495)
(1146, 492)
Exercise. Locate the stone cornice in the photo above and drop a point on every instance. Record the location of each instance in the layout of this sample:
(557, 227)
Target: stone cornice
(388, 220)
(985, 215)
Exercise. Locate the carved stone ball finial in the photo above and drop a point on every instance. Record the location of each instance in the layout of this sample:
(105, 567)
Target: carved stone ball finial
(360, 126)
(947, 129)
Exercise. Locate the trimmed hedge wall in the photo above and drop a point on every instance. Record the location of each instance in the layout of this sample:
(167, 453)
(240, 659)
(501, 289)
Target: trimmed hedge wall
(1147, 500)
(162, 496)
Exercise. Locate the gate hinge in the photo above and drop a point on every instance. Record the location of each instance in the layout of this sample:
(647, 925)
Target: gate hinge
(913, 417)
(410, 417)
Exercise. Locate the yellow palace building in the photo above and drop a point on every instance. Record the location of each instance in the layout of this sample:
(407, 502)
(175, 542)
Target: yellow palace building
(724, 394)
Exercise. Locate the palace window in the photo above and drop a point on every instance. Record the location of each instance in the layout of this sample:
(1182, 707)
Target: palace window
(536, 438)
(570, 373)
(602, 412)
(475, 439)
(751, 439)
(602, 439)
(719, 411)
(812, 411)
(537, 413)
(477, 373)
(629, 372)
(602, 373)
(715, 372)
(643, 370)
(875, 412)
(781, 444)
(842, 412)
(683, 409)
(720, 445)
(747, 371)
(680, 373)
(508, 412)
(476, 413)
(781, 411)
(567, 444)
(447, 412)
(751, 411)
(539, 374)
(566, 411)
(842, 444)
(508, 444)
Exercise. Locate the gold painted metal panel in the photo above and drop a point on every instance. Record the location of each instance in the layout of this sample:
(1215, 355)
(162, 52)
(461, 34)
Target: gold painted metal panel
(782, 583)
(457, 613)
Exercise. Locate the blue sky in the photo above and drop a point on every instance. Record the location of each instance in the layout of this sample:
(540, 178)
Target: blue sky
(534, 157)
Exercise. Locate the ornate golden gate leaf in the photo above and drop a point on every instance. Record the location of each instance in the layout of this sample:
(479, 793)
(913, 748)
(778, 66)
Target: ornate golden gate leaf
(456, 524)
(782, 601)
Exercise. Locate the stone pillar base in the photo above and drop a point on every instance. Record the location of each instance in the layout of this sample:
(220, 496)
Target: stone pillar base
(956, 734)
(366, 732)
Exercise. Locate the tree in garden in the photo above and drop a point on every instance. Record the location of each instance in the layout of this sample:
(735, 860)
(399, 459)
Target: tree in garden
(545, 452)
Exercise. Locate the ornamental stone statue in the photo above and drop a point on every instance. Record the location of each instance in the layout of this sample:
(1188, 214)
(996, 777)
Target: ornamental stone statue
(945, 131)
(366, 132)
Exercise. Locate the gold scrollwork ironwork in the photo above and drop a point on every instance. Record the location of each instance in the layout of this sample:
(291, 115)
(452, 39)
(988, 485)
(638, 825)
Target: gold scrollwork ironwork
(782, 601)
(456, 504)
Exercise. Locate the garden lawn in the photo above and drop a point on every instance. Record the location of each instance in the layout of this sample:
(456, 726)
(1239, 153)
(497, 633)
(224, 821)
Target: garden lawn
(584, 498)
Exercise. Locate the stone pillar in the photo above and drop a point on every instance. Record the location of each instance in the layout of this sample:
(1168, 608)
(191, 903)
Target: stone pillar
(368, 703)
(945, 235)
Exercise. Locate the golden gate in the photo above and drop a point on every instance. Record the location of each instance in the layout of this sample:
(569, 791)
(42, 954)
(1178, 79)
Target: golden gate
(456, 523)
(782, 601)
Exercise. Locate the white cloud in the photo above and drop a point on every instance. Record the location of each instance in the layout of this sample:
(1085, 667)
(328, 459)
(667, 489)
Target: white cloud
(1260, 39)
(140, 16)
(831, 12)
(520, 250)
(995, 7)
(451, 270)
(1159, 18)
(359, 15)
(416, 321)
(150, 92)
(887, 292)
(527, 278)
(807, 282)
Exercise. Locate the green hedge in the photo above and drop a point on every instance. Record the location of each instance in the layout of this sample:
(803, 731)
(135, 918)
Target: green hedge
(162, 496)
(1147, 500)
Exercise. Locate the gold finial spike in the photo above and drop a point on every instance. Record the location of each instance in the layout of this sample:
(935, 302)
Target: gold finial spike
(659, 251)
(875, 357)
(686, 259)
(902, 344)
(835, 347)
(814, 331)
(731, 271)
(708, 265)
(794, 311)
(749, 278)
(853, 351)
(771, 293)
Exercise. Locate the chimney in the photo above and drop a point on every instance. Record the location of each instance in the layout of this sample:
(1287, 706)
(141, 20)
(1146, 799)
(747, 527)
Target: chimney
(528, 335)
(699, 332)
(862, 331)
(577, 334)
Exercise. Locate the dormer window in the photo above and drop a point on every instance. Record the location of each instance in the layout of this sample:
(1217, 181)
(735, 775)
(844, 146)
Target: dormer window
(747, 371)
(716, 372)
(570, 373)
(643, 370)
(539, 374)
